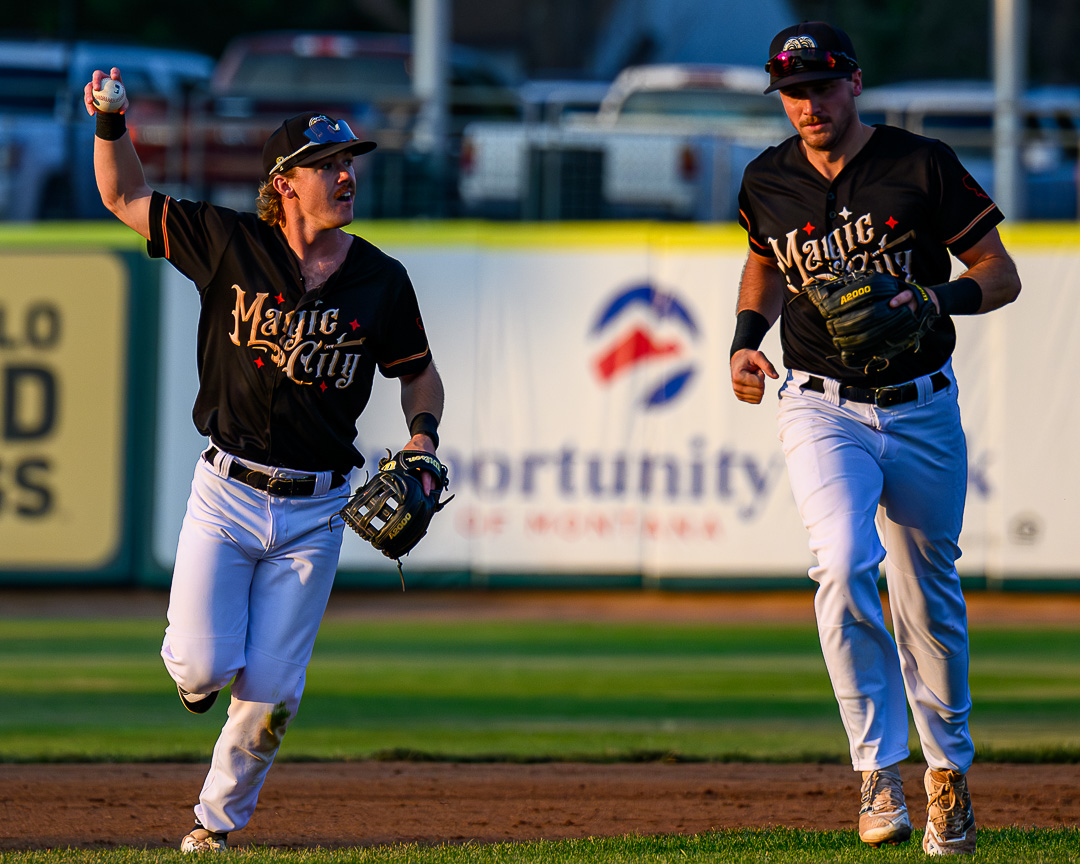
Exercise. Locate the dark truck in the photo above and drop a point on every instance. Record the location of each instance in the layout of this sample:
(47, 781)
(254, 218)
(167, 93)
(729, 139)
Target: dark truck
(364, 78)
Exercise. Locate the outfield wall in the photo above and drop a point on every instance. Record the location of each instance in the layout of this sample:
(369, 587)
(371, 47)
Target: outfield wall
(590, 430)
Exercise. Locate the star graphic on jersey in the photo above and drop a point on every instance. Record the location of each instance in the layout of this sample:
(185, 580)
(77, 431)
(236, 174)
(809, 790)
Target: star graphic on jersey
(322, 386)
(259, 362)
(892, 223)
(808, 228)
(354, 324)
(280, 297)
(845, 213)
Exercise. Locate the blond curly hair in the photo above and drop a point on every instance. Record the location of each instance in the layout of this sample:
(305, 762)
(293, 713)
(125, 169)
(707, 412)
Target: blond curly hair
(268, 202)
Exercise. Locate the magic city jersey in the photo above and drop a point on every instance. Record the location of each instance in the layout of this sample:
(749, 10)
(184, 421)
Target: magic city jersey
(284, 373)
(901, 205)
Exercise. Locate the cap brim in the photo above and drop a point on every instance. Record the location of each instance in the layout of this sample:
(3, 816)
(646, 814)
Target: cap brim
(804, 77)
(316, 154)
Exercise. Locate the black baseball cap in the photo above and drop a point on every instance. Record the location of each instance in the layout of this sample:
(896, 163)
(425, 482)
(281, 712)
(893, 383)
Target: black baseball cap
(307, 137)
(811, 51)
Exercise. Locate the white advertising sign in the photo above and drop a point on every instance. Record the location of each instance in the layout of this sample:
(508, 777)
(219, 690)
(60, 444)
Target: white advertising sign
(590, 427)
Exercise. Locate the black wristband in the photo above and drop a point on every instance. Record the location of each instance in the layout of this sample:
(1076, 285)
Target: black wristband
(750, 328)
(110, 126)
(425, 423)
(960, 297)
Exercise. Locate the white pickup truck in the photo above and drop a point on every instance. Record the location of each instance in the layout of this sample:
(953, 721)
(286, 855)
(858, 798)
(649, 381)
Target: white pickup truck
(668, 142)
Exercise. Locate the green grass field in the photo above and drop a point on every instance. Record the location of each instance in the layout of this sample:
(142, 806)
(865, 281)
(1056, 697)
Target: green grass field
(1005, 846)
(521, 691)
(96, 689)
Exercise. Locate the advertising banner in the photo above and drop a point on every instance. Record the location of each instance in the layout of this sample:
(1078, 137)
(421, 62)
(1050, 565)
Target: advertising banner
(590, 429)
(63, 360)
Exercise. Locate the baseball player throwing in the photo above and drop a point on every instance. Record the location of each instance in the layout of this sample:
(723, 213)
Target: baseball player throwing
(296, 314)
(875, 451)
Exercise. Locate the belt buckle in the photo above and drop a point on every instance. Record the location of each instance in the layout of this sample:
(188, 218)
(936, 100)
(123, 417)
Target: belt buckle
(886, 397)
(282, 486)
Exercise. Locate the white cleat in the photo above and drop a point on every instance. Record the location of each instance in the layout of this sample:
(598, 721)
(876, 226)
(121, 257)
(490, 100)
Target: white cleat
(883, 817)
(950, 822)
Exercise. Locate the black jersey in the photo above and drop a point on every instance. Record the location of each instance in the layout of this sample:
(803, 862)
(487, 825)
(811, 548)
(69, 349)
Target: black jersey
(901, 205)
(284, 373)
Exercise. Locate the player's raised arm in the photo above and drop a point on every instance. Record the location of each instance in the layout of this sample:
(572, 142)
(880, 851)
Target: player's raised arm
(119, 172)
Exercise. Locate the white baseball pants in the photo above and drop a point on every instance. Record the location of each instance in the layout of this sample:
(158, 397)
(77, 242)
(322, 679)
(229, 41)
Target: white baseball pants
(252, 578)
(886, 483)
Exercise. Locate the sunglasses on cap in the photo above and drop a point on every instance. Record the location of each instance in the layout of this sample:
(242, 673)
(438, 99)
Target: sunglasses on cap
(809, 60)
(320, 131)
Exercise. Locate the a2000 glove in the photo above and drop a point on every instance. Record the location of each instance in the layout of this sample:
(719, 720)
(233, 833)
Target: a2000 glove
(865, 329)
(391, 511)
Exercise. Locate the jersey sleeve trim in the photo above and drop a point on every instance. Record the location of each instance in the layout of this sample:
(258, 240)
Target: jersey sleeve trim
(952, 241)
(157, 244)
(760, 248)
(409, 359)
(164, 229)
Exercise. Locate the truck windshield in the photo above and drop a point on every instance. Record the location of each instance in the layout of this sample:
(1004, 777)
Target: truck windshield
(31, 89)
(321, 78)
(700, 103)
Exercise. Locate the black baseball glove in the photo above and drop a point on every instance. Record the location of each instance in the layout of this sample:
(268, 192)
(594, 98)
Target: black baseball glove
(391, 511)
(865, 329)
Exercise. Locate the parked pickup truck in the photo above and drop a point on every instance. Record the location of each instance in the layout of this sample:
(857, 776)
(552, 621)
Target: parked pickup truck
(363, 78)
(668, 141)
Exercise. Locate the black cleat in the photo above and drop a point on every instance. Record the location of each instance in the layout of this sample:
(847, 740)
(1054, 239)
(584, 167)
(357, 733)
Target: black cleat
(197, 704)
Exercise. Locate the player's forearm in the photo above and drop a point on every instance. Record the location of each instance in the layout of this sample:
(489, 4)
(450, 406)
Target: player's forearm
(761, 288)
(422, 404)
(760, 298)
(990, 266)
(998, 280)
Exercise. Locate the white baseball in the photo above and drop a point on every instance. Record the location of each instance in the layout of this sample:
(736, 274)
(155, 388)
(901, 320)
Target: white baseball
(111, 97)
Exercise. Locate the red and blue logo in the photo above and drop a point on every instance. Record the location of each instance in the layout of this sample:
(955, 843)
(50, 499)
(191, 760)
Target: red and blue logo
(650, 332)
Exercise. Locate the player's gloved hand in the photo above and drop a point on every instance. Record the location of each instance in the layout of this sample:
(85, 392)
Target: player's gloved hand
(392, 510)
(865, 326)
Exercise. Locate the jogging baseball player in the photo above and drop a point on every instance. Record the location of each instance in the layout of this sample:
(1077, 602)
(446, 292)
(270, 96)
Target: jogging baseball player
(296, 314)
(875, 452)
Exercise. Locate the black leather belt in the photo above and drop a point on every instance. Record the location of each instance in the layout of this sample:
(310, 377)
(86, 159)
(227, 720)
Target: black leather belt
(883, 397)
(284, 487)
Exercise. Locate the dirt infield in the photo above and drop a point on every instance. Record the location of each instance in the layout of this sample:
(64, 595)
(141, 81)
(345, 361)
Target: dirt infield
(370, 803)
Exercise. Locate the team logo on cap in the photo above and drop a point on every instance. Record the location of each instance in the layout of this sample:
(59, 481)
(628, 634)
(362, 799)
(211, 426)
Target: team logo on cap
(651, 332)
(797, 42)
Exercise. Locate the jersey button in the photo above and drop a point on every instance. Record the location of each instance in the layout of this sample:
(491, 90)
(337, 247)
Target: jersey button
(832, 215)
